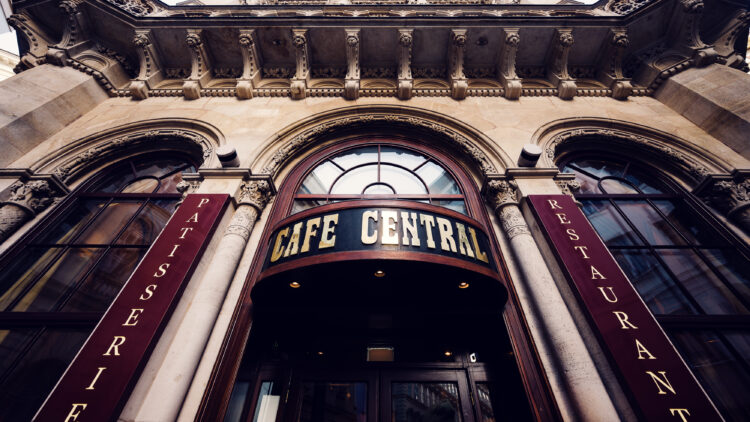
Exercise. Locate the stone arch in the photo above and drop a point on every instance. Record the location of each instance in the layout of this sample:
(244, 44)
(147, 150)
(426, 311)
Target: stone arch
(286, 144)
(676, 156)
(91, 152)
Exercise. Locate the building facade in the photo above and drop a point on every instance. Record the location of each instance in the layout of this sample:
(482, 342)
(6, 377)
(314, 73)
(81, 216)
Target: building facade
(361, 211)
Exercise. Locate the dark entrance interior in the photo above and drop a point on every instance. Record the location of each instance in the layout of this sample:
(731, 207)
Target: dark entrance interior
(414, 345)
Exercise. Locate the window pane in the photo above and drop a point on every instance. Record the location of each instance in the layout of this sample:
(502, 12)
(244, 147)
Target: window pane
(487, 396)
(356, 157)
(653, 283)
(612, 228)
(707, 289)
(237, 401)
(690, 225)
(720, 373)
(615, 186)
(355, 181)
(147, 185)
(457, 206)
(106, 226)
(15, 278)
(169, 183)
(148, 224)
(379, 189)
(588, 184)
(32, 379)
(400, 156)
(424, 401)
(303, 204)
(734, 267)
(404, 182)
(105, 281)
(320, 179)
(12, 343)
(61, 276)
(640, 181)
(599, 168)
(79, 215)
(438, 180)
(652, 226)
(334, 401)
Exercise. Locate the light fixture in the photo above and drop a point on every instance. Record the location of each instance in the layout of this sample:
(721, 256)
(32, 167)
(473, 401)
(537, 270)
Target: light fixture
(448, 353)
(463, 285)
(379, 273)
(320, 353)
(295, 285)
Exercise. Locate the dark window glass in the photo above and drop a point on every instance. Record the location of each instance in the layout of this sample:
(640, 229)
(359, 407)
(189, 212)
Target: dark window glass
(425, 401)
(333, 401)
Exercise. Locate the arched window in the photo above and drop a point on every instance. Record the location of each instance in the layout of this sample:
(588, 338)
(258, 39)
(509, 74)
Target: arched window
(379, 171)
(694, 277)
(55, 287)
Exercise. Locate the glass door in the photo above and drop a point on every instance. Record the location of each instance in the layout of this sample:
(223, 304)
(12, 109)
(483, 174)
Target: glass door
(425, 396)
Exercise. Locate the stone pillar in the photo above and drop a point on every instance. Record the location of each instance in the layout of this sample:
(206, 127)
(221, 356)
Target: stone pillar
(26, 201)
(184, 354)
(576, 384)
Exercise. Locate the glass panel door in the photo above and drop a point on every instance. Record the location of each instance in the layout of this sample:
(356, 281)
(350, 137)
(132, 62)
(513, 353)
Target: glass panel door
(425, 396)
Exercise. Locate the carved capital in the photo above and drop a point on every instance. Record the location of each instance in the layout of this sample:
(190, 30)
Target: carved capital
(500, 193)
(732, 197)
(34, 195)
(405, 37)
(256, 193)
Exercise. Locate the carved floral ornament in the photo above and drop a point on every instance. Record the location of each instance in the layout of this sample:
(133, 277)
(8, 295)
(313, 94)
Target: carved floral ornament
(501, 192)
(255, 193)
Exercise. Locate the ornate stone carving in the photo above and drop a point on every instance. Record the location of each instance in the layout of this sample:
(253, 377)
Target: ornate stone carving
(36, 38)
(513, 222)
(301, 77)
(501, 192)
(200, 64)
(150, 71)
(569, 186)
(26, 200)
(256, 193)
(75, 32)
(242, 222)
(186, 187)
(250, 64)
(457, 79)
(624, 7)
(405, 81)
(609, 63)
(507, 67)
(134, 7)
(732, 197)
(557, 63)
(299, 141)
(351, 81)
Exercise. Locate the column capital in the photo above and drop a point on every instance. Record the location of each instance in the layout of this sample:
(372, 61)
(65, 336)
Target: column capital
(501, 192)
(256, 192)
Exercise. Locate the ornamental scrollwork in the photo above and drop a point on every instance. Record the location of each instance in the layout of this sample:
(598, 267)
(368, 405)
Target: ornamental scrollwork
(255, 193)
(569, 187)
(501, 192)
(34, 195)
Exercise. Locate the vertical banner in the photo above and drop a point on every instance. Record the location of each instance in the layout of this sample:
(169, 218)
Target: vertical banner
(97, 383)
(659, 382)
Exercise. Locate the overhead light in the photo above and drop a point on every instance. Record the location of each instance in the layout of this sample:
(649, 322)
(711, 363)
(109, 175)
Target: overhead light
(295, 285)
(463, 285)
(448, 353)
(320, 353)
(379, 273)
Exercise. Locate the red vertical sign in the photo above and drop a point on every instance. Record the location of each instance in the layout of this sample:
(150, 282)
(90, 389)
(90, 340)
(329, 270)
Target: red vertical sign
(658, 381)
(97, 383)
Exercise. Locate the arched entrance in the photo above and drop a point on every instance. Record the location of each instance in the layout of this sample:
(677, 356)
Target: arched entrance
(380, 296)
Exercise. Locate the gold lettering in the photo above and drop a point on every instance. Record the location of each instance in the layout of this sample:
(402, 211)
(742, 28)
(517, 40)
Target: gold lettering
(562, 217)
(680, 413)
(661, 382)
(132, 319)
(596, 275)
(96, 377)
(482, 256)
(174, 249)
(583, 251)
(614, 296)
(367, 238)
(389, 236)
(193, 219)
(310, 231)
(74, 412)
(411, 227)
(185, 231)
(278, 248)
(446, 235)
(428, 222)
(623, 318)
(116, 343)
(149, 291)
(293, 246)
(203, 202)
(463, 241)
(328, 238)
(553, 204)
(572, 234)
(161, 271)
(642, 350)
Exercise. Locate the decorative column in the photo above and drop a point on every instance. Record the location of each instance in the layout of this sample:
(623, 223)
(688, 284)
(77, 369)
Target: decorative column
(186, 349)
(27, 199)
(574, 379)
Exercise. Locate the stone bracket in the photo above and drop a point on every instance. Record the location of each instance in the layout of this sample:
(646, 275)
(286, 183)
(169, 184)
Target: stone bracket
(250, 64)
(150, 71)
(725, 44)
(351, 81)
(405, 80)
(683, 33)
(76, 32)
(302, 72)
(557, 63)
(36, 38)
(609, 63)
(506, 70)
(200, 64)
(730, 194)
(457, 78)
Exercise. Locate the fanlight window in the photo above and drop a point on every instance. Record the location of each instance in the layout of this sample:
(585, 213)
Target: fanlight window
(695, 280)
(379, 172)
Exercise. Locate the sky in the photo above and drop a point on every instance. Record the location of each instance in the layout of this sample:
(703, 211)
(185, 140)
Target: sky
(8, 42)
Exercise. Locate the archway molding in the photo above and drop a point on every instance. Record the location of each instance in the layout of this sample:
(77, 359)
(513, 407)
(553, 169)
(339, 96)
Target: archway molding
(675, 155)
(476, 148)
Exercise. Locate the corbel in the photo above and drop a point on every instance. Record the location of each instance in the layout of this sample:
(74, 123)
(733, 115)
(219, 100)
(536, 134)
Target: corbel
(351, 82)
(684, 32)
(459, 85)
(557, 63)
(731, 31)
(36, 38)
(405, 80)
(250, 64)
(200, 64)
(75, 33)
(150, 72)
(302, 72)
(507, 67)
(609, 63)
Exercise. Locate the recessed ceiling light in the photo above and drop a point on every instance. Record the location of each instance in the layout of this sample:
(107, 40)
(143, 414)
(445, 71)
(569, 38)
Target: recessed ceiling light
(463, 285)
(448, 353)
(295, 285)
(320, 353)
(379, 273)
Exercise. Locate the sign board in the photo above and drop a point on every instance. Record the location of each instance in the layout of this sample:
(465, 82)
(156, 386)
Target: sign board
(659, 382)
(97, 383)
